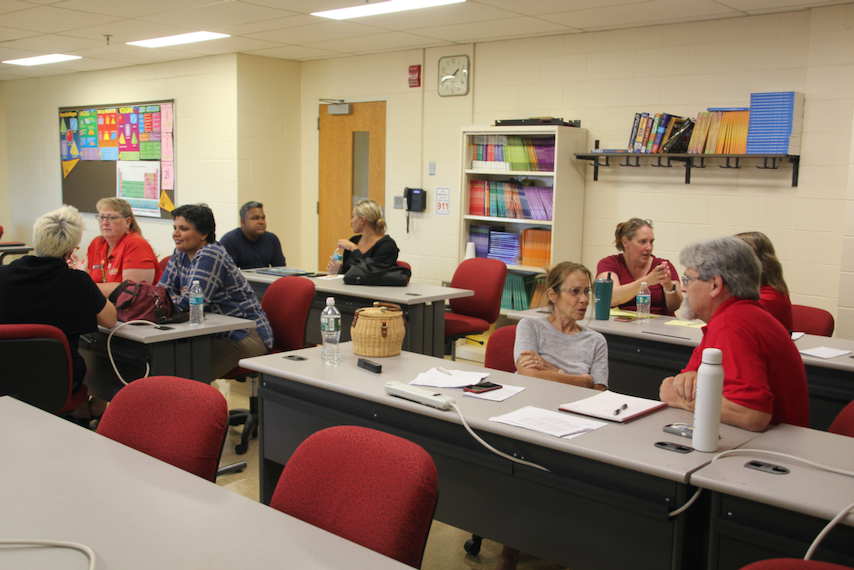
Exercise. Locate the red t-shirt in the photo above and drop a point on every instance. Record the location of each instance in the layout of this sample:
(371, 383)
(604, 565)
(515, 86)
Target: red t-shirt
(132, 252)
(777, 304)
(763, 370)
(616, 264)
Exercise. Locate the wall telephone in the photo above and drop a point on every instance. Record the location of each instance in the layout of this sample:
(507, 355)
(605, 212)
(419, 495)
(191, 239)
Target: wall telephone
(416, 201)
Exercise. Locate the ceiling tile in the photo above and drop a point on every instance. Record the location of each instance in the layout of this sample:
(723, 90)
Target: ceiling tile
(296, 53)
(641, 15)
(7, 34)
(554, 6)
(53, 43)
(131, 8)
(266, 25)
(47, 19)
(312, 33)
(123, 31)
(142, 56)
(377, 42)
(467, 12)
(218, 14)
(225, 45)
(466, 33)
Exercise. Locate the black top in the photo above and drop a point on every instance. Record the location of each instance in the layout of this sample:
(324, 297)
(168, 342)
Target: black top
(45, 291)
(384, 253)
(266, 251)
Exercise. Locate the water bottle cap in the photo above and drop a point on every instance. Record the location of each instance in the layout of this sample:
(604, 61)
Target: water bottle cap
(330, 301)
(195, 281)
(712, 356)
(643, 283)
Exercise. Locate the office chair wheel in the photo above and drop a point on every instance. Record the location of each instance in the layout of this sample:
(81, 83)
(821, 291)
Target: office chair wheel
(472, 545)
(240, 449)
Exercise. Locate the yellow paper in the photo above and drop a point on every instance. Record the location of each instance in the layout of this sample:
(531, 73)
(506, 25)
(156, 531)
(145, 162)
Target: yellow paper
(691, 324)
(165, 202)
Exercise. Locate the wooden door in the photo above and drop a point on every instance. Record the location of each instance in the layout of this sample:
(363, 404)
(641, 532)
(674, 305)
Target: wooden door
(352, 168)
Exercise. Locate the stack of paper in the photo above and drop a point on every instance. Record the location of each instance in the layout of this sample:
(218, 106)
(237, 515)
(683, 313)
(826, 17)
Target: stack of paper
(548, 422)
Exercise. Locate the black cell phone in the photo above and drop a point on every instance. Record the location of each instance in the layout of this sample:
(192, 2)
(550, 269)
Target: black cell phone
(482, 387)
(295, 357)
(684, 430)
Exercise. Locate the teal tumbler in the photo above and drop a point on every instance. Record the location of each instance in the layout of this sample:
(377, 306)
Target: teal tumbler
(602, 297)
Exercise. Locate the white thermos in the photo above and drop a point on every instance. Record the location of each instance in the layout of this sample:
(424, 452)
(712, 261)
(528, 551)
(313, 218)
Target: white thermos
(707, 407)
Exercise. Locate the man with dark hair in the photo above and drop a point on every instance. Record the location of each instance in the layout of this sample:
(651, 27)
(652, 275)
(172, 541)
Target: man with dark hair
(251, 245)
(764, 377)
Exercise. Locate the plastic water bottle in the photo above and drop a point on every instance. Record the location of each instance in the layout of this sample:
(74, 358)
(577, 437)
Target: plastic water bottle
(707, 407)
(330, 330)
(643, 301)
(197, 304)
(337, 255)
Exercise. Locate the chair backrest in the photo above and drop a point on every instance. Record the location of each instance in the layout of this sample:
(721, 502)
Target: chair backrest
(179, 421)
(37, 367)
(287, 303)
(368, 486)
(406, 265)
(499, 349)
(164, 262)
(843, 424)
(793, 564)
(1, 231)
(486, 278)
(812, 320)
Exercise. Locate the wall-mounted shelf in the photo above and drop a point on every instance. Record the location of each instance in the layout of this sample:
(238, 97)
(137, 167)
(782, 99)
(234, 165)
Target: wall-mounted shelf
(691, 161)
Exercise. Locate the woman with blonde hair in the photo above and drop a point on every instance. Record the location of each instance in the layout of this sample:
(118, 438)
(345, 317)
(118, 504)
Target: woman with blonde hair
(636, 264)
(120, 252)
(371, 241)
(773, 292)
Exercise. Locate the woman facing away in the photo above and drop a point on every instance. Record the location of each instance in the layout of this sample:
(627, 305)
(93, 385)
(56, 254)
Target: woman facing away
(635, 265)
(773, 292)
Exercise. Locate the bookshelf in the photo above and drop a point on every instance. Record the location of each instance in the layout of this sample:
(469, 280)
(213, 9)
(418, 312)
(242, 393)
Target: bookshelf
(562, 236)
(691, 161)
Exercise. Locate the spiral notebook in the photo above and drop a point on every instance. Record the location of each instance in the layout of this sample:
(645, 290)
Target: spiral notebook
(614, 407)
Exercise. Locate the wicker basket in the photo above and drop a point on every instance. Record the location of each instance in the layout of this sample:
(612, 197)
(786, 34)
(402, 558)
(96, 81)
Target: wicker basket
(378, 331)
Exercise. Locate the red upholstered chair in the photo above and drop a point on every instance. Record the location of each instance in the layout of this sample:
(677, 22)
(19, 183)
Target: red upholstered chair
(1, 231)
(164, 262)
(499, 349)
(287, 303)
(812, 320)
(472, 315)
(37, 368)
(844, 422)
(372, 488)
(179, 421)
(406, 265)
(793, 564)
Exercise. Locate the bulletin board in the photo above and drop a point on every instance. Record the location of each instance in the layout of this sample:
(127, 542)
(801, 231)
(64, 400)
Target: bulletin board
(124, 150)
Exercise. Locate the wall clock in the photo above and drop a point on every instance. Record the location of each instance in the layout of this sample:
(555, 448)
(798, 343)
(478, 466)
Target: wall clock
(453, 75)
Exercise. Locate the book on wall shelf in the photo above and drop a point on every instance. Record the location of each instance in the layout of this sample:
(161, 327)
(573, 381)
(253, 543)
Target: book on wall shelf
(776, 123)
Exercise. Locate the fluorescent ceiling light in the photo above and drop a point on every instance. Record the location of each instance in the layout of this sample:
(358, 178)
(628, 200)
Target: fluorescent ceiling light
(178, 40)
(381, 8)
(42, 59)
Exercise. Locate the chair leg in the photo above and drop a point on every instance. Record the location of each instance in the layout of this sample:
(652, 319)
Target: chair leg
(229, 469)
(250, 427)
(472, 545)
(453, 350)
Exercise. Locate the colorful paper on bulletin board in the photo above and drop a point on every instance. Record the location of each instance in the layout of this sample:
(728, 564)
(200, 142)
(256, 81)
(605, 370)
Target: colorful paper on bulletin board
(149, 121)
(88, 132)
(149, 150)
(165, 202)
(108, 153)
(128, 132)
(69, 138)
(166, 152)
(166, 118)
(108, 129)
(138, 182)
(68, 166)
(168, 182)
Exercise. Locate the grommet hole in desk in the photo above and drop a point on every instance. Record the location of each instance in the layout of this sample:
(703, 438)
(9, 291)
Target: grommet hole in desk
(767, 467)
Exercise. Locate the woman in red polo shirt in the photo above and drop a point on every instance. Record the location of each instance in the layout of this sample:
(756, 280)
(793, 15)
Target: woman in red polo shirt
(773, 292)
(120, 252)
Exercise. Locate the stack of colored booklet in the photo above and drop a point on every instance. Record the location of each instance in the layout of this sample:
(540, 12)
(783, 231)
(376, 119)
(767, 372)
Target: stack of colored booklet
(776, 121)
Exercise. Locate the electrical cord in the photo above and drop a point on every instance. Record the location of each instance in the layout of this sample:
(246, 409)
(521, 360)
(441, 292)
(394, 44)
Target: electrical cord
(110, 352)
(90, 554)
(489, 447)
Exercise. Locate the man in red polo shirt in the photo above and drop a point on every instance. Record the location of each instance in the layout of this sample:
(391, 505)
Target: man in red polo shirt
(764, 376)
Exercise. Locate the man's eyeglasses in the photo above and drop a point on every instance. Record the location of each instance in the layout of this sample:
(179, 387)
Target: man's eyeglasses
(576, 291)
(110, 219)
(687, 280)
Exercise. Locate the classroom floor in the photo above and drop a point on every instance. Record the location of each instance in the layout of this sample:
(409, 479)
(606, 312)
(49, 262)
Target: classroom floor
(445, 543)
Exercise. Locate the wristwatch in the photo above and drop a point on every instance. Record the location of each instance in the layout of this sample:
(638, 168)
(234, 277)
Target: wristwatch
(672, 291)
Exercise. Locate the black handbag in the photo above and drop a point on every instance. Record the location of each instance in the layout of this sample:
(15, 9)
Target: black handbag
(365, 271)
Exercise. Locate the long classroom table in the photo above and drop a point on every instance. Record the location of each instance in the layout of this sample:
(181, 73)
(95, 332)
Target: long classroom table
(640, 356)
(62, 482)
(423, 306)
(757, 515)
(608, 487)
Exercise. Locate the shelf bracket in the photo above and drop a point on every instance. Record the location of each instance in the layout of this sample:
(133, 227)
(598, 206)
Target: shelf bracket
(728, 165)
(796, 163)
(629, 164)
(659, 165)
(765, 164)
(596, 164)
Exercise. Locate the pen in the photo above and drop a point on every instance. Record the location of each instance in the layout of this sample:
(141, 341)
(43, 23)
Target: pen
(444, 370)
(620, 409)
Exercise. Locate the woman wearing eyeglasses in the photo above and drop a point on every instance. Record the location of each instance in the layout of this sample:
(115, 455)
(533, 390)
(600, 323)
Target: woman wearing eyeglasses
(120, 252)
(635, 265)
(557, 347)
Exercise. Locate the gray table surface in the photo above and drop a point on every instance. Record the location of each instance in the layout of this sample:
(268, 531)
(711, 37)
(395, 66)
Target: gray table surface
(807, 490)
(62, 482)
(213, 323)
(628, 445)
